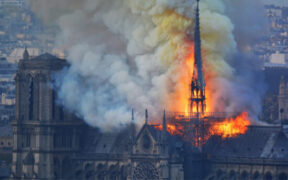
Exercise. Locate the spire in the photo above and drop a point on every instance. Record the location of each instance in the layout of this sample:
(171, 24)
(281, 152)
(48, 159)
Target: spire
(164, 121)
(133, 129)
(197, 49)
(26, 54)
(164, 127)
(132, 116)
(197, 98)
(146, 116)
(197, 86)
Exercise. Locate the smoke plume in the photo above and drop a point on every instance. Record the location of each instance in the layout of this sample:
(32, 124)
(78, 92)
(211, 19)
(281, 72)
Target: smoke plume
(128, 54)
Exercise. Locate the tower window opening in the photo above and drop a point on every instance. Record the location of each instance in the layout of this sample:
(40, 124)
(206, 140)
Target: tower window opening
(31, 100)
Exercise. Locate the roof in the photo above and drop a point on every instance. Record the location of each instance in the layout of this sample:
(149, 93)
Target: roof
(257, 142)
(17, 54)
(45, 56)
(96, 142)
(43, 61)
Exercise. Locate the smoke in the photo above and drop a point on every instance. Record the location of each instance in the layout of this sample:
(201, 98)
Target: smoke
(128, 54)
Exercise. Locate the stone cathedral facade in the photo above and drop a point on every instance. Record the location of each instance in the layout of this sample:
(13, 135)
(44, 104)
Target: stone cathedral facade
(50, 143)
(43, 133)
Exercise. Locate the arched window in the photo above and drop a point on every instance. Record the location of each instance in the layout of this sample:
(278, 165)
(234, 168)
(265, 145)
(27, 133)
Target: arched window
(100, 167)
(57, 167)
(256, 176)
(101, 171)
(113, 172)
(66, 167)
(89, 175)
(244, 175)
(219, 173)
(31, 99)
(282, 176)
(88, 166)
(232, 175)
(101, 175)
(268, 176)
(53, 104)
(113, 176)
(78, 174)
(61, 112)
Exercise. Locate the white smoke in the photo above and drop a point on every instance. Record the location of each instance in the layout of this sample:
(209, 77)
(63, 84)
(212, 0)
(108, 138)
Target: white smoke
(116, 50)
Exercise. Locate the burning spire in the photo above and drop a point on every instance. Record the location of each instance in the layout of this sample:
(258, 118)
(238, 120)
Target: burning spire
(197, 86)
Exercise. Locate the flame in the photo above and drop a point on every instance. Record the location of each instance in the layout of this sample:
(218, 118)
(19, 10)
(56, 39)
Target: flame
(181, 94)
(178, 100)
(171, 129)
(228, 128)
(231, 127)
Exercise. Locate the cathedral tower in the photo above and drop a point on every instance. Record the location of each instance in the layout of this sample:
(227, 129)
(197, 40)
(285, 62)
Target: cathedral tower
(44, 134)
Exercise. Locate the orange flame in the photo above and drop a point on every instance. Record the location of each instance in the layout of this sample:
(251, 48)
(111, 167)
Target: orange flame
(231, 127)
(171, 129)
(181, 93)
(228, 128)
(179, 102)
(180, 96)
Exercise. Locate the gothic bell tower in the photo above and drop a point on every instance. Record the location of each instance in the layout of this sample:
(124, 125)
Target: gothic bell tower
(45, 136)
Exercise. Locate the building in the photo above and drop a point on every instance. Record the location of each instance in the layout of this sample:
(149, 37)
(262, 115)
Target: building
(13, 3)
(52, 144)
(49, 143)
(275, 102)
(16, 54)
(42, 130)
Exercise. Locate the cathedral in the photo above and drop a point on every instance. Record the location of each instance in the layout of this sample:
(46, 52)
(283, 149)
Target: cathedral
(51, 143)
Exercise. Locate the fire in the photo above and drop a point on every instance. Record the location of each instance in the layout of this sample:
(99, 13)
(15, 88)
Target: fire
(171, 128)
(231, 127)
(181, 94)
(228, 128)
(195, 99)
